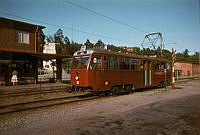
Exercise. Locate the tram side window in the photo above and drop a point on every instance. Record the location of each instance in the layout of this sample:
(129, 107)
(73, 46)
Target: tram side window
(124, 63)
(159, 66)
(162, 67)
(135, 64)
(110, 62)
(167, 66)
(96, 62)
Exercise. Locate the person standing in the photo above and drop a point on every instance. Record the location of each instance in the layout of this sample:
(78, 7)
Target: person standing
(14, 78)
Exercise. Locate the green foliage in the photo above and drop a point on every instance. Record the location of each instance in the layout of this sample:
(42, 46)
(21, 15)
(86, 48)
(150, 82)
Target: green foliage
(166, 54)
(185, 57)
(137, 51)
(65, 47)
(99, 44)
(66, 40)
(89, 44)
(116, 49)
(185, 53)
(74, 47)
(40, 40)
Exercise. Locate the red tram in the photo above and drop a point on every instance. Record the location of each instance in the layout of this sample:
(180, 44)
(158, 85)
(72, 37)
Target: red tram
(103, 70)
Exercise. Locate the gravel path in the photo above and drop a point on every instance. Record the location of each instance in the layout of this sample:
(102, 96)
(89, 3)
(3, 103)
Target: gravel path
(173, 112)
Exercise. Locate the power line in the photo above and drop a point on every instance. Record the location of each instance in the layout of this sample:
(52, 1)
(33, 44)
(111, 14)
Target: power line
(30, 19)
(107, 17)
(199, 11)
(69, 28)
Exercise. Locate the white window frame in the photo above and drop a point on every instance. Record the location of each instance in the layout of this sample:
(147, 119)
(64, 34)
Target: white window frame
(23, 37)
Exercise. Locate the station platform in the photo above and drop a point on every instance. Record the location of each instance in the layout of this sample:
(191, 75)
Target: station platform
(32, 87)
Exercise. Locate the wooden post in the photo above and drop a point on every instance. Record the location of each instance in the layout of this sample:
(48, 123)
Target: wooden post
(8, 74)
(35, 68)
(173, 60)
(59, 69)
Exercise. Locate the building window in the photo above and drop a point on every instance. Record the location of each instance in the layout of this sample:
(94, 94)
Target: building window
(23, 37)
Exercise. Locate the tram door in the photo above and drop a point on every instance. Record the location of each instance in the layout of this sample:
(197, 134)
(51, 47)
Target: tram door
(98, 77)
(147, 73)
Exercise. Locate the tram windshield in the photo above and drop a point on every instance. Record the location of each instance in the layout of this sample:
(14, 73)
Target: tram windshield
(80, 62)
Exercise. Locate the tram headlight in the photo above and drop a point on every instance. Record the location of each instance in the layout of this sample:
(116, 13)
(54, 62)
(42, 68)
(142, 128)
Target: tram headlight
(106, 82)
(77, 78)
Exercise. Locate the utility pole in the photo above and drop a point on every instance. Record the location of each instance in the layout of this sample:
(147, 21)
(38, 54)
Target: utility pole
(199, 56)
(173, 61)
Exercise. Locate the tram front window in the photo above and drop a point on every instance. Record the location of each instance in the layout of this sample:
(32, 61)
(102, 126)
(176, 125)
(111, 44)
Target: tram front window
(79, 62)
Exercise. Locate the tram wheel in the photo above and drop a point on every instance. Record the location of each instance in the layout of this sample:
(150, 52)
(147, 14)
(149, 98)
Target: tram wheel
(128, 88)
(115, 90)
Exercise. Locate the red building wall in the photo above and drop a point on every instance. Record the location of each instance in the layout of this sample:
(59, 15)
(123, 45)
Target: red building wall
(9, 35)
(196, 69)
(184, 68)
(187, 69)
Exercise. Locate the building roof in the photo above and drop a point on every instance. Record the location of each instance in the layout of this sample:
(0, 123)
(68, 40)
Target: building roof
(127, 47)
(12, 23)
(35, 54)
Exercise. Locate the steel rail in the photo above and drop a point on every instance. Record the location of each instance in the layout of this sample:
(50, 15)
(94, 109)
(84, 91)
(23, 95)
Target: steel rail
(5, 109)
(32, 92)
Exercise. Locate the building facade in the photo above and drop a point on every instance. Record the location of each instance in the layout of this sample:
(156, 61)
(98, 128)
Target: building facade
(196, 69)
(187, 69)
(50, 66)
(49, 48)
(130, 49)
(20, 49)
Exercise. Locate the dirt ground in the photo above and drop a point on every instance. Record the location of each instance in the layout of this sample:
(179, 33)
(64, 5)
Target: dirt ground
(173, 112)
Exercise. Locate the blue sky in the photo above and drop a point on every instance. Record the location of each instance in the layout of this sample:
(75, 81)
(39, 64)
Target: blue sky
(177, 20)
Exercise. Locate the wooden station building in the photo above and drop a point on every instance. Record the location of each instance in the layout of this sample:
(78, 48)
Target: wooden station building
(21, 50)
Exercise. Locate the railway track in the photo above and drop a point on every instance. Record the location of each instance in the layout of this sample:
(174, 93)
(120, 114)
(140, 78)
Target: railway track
(15, 94)
(51, 101)
(5, 109)
(31, 91)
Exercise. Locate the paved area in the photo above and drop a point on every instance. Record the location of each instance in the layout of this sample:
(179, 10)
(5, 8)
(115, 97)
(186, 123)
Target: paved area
(170, 112)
